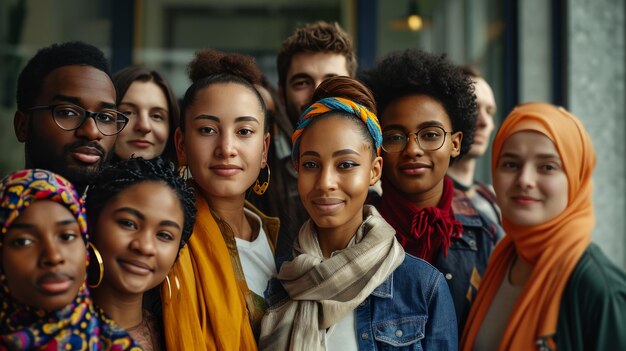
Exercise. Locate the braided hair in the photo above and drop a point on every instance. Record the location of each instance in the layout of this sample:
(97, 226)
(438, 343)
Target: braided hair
(113, 179)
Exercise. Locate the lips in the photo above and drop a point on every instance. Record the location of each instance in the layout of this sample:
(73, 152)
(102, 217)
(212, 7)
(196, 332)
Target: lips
(87, 154)
(135, 266)
(478, 139)
(54, 283)
(327, 205)
(416, 168)
(523, 200)
(225, 170)
(140, 143)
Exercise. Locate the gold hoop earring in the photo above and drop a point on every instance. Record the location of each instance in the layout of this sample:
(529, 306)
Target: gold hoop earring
(259, 188)
(91, 282)
(169, 285)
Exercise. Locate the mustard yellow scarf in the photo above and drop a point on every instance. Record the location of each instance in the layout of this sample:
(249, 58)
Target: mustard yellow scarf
(208, 310)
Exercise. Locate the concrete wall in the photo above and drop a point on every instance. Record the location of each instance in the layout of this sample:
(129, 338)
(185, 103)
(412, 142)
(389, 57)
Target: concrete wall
(596, 93)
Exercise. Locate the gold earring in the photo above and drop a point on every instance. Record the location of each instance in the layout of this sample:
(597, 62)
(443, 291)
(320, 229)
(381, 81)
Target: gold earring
(259, 188)
(91, 282)
(169, 285)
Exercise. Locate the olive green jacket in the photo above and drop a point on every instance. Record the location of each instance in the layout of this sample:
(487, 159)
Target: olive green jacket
(592, 315)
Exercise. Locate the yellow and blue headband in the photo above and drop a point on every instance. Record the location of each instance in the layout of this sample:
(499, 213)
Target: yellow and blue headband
(341, 105)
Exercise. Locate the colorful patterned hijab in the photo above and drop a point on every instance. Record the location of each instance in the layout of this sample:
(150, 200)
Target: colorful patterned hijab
(78, 326)
(337, 104)
(552, 248)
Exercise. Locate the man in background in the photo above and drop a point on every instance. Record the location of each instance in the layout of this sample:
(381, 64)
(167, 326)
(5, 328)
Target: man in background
(314, 52)
(462, 171)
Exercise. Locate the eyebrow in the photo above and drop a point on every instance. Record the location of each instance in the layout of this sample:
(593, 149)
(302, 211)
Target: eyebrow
(540, 156)
(141, 216)
(218, 120)
(131, 211)
(76, 101)
(169, 223)
(430, 123)
(299, 76)
(335, 154)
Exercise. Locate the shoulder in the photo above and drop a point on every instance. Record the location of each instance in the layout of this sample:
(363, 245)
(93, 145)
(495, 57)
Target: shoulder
(596, 276)
(416, 271)
(593, 306)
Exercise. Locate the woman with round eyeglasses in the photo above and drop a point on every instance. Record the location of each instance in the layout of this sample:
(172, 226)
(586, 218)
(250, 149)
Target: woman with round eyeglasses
(427, 114)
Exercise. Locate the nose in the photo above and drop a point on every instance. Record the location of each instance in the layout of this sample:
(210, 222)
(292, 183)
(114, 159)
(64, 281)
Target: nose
(142, 123)
(144, 243)
(327, 180)
(526, 177)
(412, 147)
(51, 255)
(227, 146)
(89, 130)
(481, 118)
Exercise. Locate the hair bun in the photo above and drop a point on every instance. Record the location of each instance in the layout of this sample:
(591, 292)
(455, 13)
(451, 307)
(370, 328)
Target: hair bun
(347, 88)
(209, 62)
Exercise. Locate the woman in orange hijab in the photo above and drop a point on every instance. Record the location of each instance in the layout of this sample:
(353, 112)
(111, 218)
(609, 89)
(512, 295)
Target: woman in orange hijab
(546, 285)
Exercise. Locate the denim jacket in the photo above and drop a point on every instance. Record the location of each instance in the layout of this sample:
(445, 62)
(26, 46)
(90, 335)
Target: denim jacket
(411, 310)
(468, 255)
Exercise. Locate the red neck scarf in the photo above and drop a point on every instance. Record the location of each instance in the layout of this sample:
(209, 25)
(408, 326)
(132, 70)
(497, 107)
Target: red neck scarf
(421, 231)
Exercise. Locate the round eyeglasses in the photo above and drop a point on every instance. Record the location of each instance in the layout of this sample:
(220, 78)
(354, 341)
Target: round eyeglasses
(71, 117)
(428, 138)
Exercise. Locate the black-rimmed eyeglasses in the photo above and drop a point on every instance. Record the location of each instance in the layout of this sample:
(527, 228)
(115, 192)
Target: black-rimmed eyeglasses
(428, 138)
(71, 117)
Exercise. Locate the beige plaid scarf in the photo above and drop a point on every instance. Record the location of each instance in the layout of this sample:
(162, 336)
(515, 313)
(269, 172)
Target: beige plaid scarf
(323, 291)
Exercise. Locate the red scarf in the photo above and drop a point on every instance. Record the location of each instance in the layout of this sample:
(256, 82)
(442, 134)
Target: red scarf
(421, 231)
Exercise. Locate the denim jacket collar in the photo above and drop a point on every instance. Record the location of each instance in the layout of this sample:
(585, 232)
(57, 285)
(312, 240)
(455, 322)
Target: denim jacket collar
(385, 290)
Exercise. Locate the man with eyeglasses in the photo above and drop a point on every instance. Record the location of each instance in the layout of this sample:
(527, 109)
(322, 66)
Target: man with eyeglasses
(66, 112)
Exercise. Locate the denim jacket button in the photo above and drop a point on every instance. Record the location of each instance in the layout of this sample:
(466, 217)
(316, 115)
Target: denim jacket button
(364, 336)
(448, 276)
(399, 333)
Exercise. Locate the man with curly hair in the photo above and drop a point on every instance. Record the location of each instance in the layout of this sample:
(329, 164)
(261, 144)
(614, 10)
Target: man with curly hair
(314, 52)
(66, 112)
(427, 111)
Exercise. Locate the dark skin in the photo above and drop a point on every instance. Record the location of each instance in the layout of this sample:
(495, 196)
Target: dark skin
(43, 256)
(76, 154)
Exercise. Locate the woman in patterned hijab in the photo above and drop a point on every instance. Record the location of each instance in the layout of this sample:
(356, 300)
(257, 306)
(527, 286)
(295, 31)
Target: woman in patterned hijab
(46, 304)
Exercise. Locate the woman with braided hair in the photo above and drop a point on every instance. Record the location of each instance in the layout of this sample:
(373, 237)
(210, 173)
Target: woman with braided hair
(141, 213)
(46, 304)
(350, 285)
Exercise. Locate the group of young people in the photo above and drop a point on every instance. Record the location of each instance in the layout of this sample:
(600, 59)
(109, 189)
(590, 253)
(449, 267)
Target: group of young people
(318, 216)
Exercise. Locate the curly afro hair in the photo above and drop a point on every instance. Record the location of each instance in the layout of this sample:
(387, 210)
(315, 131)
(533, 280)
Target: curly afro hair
(114, 178)
(211, 67)
(30, 80)
(414, 71)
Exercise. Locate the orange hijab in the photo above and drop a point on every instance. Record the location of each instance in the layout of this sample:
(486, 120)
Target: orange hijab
(203, 307)
(552, 248)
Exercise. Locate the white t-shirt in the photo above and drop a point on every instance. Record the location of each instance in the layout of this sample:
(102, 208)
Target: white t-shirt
(342, 336)
(256, 259)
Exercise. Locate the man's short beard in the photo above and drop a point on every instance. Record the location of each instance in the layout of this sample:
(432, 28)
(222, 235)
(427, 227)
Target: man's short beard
(41, 155)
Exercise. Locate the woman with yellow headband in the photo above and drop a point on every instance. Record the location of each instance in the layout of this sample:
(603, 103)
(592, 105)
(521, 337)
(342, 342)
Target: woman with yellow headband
(350, 285)
(546, 286)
